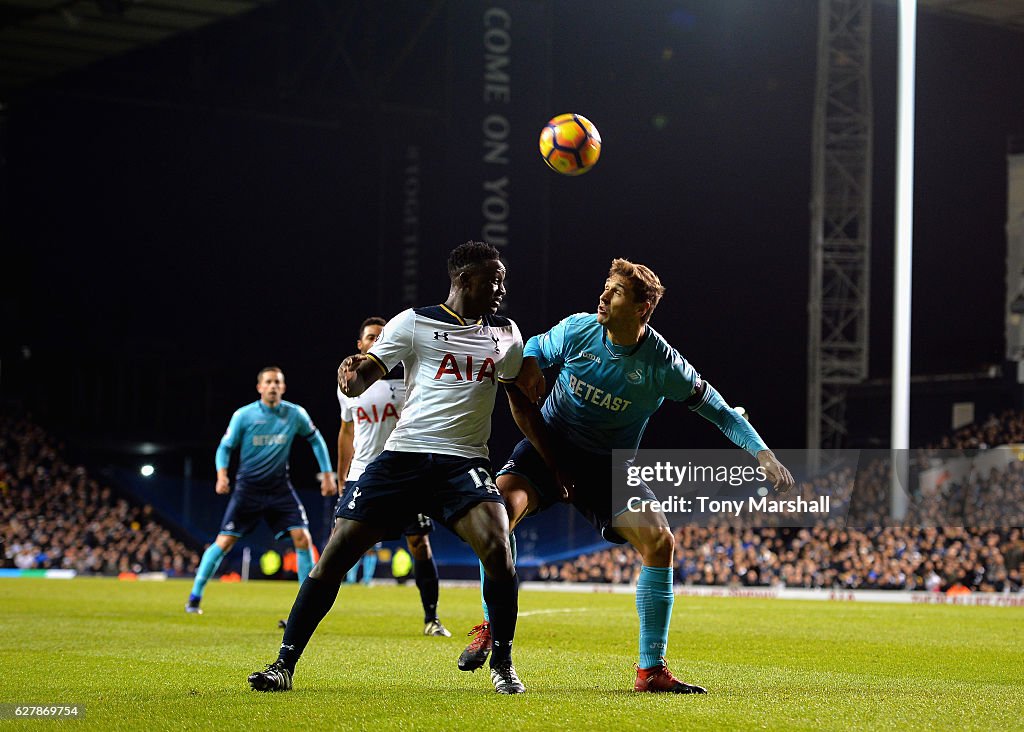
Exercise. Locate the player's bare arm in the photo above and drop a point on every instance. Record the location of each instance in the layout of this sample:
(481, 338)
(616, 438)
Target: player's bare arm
(357, 373)
(530, 422)
(531, 380)
(223, 484)
(346, 448)
(328, 484)
(778, 474)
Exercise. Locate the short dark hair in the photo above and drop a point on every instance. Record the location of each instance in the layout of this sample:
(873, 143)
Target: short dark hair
(265, 369)
(372, 320)
(470, 254)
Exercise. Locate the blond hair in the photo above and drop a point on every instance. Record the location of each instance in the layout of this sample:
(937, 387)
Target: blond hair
(645, 284)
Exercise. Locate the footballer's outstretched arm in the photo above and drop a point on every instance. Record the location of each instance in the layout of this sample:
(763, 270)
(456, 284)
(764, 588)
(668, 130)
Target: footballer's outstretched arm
(528, 417)
(709, 404)
(346, 448)
(357, 373)
(531, 380)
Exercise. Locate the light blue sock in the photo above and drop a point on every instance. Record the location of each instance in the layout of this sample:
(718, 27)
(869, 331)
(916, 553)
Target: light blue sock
(483, 602)
(353, 574)
(369, 567)
(654, 600)
(515, 555)
(207, 568)
(304, 563)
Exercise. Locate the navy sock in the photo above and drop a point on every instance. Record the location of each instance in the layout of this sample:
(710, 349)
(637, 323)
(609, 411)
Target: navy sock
(314, 601)
(427, 582)
(483, 603)
(502, 600)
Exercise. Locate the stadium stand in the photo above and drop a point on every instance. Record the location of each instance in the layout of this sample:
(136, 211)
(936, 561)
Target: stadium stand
(884, 559)
(1006, 428)
(53, 515)
(932, 550)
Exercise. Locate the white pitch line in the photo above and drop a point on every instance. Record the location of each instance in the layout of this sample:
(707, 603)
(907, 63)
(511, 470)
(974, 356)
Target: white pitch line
(555, 610)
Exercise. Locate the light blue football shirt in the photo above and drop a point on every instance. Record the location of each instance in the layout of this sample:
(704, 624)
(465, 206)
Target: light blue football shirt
(264, 437)
(605, 394)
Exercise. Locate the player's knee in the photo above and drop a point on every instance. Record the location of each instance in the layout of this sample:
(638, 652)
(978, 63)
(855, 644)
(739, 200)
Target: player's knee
(332, 566)
(333, 561)
(301, 540)
(496, 556)
(419, 548)
(516, 493)
(659, 546)
(517, 503)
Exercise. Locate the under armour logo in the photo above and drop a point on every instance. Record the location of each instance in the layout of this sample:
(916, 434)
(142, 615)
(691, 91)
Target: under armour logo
(438, 334)
(496, 349)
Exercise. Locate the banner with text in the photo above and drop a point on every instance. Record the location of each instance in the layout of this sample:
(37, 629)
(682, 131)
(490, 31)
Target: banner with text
(411, 256)
(496, 179)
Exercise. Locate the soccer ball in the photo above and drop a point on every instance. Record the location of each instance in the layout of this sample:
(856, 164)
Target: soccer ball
(570, 144)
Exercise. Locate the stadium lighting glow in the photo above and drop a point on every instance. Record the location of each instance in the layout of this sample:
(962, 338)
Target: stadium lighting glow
(147, 470)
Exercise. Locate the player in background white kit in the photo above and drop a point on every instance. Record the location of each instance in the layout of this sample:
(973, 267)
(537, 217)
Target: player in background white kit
(366, 423)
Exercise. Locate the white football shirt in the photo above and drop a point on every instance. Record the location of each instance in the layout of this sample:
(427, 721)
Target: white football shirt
(452, 369)
(374, 413)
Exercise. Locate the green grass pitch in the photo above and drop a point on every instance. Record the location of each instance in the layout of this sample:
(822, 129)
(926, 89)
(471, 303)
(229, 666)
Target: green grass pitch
(129, 653)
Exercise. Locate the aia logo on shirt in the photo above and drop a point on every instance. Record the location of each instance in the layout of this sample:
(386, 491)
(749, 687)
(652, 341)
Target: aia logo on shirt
(464, 370)
(375, 415)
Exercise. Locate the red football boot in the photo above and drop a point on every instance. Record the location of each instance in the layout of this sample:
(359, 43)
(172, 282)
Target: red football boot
(476, 653)
(659, 678)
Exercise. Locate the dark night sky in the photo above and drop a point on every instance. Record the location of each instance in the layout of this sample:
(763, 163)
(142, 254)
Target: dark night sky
(150, 214)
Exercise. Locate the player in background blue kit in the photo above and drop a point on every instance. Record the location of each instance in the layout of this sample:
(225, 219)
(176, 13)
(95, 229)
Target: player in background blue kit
(615, 372)
(264, 431)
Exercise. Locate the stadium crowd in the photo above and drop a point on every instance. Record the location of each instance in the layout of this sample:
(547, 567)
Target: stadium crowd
(55, 516)
(1006, 428)
(968, 533)
(892, 558)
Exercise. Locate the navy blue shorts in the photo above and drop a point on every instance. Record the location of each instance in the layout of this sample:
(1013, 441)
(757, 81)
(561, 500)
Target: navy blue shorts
(398, 487)
(593, 476)
(281, 508)
(420, 527)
